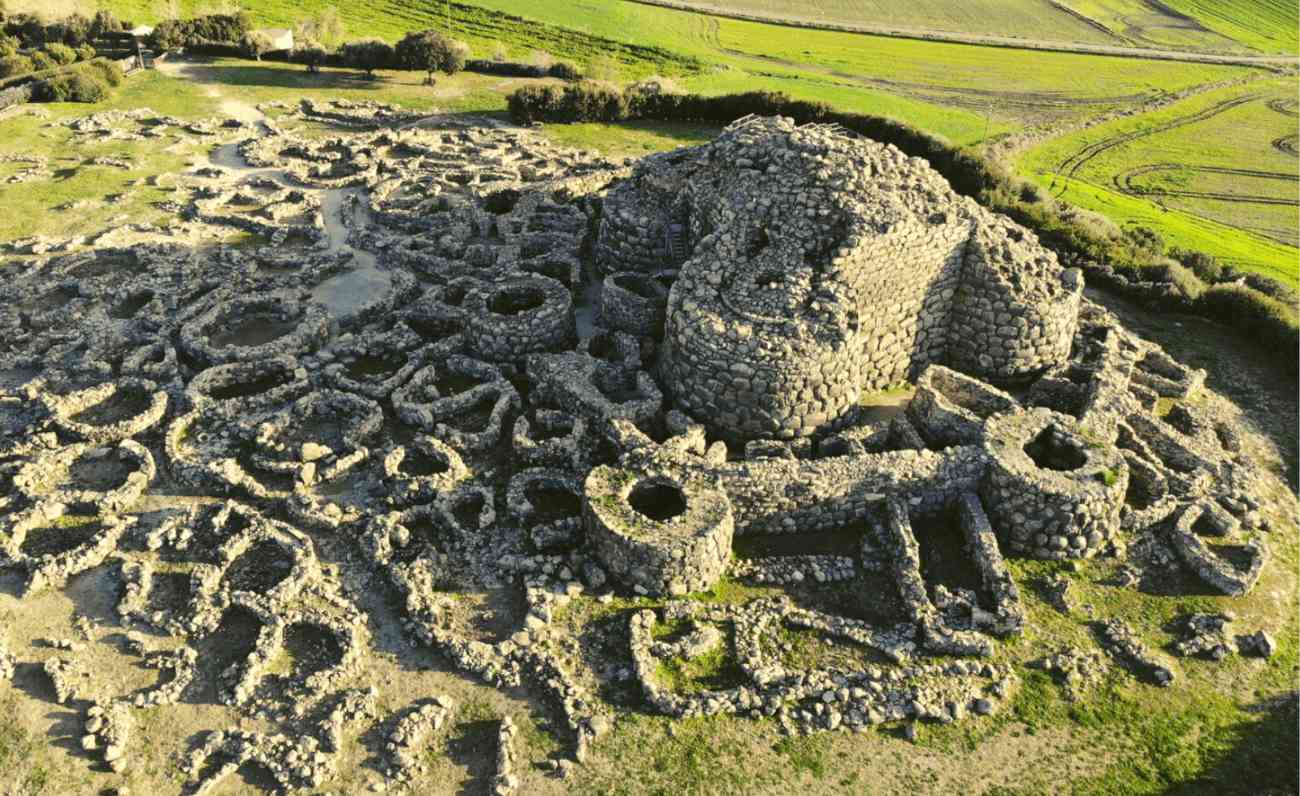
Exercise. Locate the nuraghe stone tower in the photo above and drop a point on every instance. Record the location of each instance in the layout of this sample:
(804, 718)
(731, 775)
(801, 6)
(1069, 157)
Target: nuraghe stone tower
(814, 265)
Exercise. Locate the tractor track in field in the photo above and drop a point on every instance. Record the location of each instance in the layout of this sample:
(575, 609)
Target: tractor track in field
(1286, 107)
(918, 34)
(950, 96)
(1070, 167)
(1124, 182)
(1290, 144)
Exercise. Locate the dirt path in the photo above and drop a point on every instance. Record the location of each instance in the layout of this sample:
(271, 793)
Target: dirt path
(193, 72)
(1046, 45)
(1124, 182)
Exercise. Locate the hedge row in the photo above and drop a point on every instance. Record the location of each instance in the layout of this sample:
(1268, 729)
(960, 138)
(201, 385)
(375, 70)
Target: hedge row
(75, 30)
(1079, 238)
(173, 34)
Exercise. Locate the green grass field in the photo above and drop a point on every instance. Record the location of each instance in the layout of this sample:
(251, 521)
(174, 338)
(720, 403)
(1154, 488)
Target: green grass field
(1266, 26)
(1207, 173)
(32, 207)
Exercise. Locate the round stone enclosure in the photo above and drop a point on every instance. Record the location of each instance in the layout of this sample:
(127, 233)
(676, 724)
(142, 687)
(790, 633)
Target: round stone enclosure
(658, 533)
(1051, 492)
(634, 303)
(255, 328)
(521, 316)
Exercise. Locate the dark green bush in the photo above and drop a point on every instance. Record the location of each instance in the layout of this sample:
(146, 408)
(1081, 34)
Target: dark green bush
(1203, 265)
(72, 87)
(1182, 278)
(171, 34)
(310, 54)
(564, 70)
(104, 22)
(61, 53)
(1272, 288)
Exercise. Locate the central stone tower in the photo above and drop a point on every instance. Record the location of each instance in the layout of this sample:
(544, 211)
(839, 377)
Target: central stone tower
(813, 265)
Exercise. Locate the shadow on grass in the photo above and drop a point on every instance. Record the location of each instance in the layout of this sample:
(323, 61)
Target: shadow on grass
(278, 75)
(1262, 762)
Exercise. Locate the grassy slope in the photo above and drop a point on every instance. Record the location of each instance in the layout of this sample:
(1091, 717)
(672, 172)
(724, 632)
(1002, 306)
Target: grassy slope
(1238, 139)
(960, 66)
(1031, 19)
(1266, 25)
(28, 206)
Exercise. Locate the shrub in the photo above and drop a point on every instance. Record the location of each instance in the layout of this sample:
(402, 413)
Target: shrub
(73, 30)
(1183, 279)
(62, 54)
(367, 55)
(107, 71)
(42, 61)
(564, 70)
(85, 52)
(72, 87)
(326, 28)
(1272, 288)
(8, 46)
(1202, 264)
(171, 34)
(1263, 318)
(13, 65)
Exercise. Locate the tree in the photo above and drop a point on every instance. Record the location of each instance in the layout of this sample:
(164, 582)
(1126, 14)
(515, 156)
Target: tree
(8, 45)
(104, 22)
(326, 27)
(429, 51)
(168, 35)
(367, 55)
(255, 43)
(310, 53)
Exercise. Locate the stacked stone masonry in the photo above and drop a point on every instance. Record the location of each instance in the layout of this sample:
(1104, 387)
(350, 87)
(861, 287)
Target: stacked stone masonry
(506, 383)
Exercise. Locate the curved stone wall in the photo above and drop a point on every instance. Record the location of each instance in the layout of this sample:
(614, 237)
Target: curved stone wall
(815, 266)
(1051, 494)
(658, 532)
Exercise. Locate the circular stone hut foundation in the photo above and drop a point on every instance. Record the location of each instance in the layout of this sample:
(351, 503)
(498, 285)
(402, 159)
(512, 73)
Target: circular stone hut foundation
(1050, 493)
(656, 532)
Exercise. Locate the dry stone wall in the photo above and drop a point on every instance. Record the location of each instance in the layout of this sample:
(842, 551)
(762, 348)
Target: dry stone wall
(814, 266)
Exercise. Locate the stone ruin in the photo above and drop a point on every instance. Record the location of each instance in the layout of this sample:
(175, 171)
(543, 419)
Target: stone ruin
(481, 363)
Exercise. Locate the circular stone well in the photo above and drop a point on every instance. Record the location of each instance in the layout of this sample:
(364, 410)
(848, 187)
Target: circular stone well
(1050, 493)
(659, 533)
